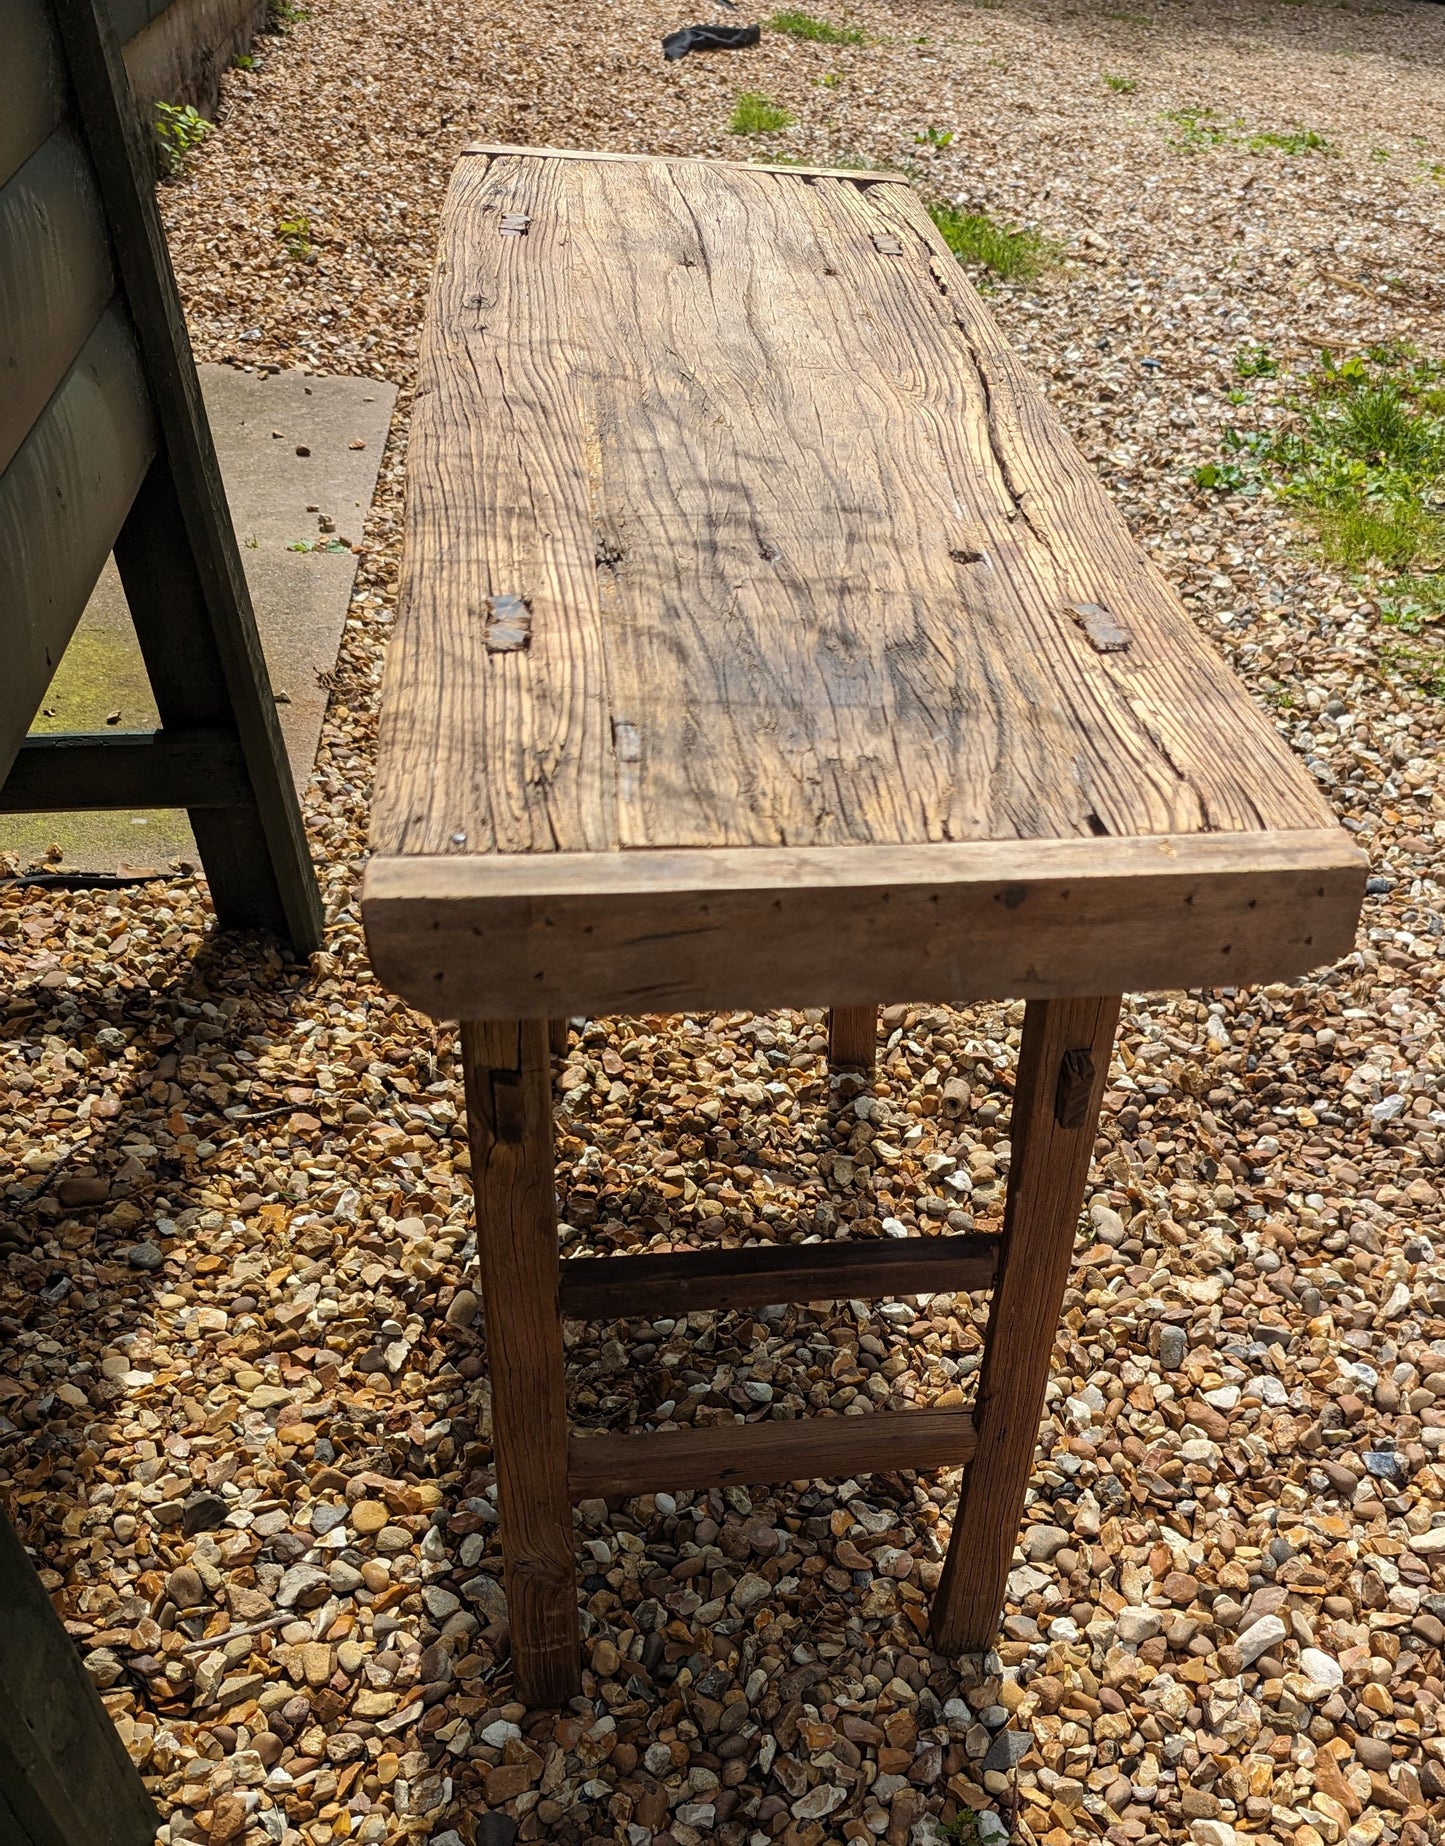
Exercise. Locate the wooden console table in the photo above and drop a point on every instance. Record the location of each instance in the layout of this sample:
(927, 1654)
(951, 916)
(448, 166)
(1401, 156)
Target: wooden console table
(764, 641)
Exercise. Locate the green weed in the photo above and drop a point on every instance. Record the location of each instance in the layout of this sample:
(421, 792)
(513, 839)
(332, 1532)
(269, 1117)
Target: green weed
(1126, 86)
(819, 31)
(1011, 254)
(1367, 465)
(1255, 362)
(1423, 667)
(295, 235)
(246, 62)
(1289, 141)
(181, 129)
(1414, 602)
(1363, 461)
(1196, 129)
(754, 114)
(281, 15)
(1220, 477)
(934, 137)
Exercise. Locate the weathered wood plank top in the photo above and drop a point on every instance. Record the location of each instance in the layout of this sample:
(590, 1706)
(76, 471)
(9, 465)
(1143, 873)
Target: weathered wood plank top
(734, 523)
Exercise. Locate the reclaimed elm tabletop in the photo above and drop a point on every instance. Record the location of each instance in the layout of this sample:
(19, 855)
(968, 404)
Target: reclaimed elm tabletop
(764, 641)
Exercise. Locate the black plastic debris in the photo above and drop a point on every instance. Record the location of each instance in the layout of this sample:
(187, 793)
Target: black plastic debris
(709, 38)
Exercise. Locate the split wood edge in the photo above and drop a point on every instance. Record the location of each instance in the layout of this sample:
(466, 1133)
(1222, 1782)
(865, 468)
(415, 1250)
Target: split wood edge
(863, 176)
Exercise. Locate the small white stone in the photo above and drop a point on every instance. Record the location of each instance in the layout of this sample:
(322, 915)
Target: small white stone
(1322, 1668)
(1429, 1544)
(1133, 1626)
(1260, 1637)
(1212, 1833)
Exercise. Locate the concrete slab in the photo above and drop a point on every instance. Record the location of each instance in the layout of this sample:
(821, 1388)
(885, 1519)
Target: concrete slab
(299, 457)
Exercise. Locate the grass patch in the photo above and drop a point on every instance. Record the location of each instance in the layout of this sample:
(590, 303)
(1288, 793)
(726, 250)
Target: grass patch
(754, 114)
(819, 31)
(1422, 666)
(1012, 255)
(1367, 465)
(1196, 129)
(1412, 603)
(1288, 141)
(1126, 86)
(1363, 462)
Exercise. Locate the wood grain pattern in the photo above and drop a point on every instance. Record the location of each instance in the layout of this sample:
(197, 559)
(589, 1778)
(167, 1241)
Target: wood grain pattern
(55, 278)
(859, 176)
(800, 541)
(672, 932)
(1041, 1217)
(852, 1037)
(498, 504)
(754, 1454)
(65, 772)
(675, 1282)
(509, 1111)
(62, 502)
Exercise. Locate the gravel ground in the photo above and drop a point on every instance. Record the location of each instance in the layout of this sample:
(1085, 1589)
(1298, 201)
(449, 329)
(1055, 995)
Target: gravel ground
(243, 1411)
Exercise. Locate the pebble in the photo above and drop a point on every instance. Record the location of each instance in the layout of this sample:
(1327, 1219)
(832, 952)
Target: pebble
(463, 1308)
(1042, 1542)
(369, 1517)
(1322, 1668)
(185, 1587)
(1260, 1637)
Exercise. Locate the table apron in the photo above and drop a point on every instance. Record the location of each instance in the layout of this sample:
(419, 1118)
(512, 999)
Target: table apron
(553, 935)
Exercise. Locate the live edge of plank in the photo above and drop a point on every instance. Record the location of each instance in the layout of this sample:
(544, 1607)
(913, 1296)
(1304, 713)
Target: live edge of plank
(548, 934)
(865, 176)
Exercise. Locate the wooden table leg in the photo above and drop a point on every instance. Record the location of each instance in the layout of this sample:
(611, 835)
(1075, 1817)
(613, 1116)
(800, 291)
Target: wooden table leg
(509, 1107)
(853, 1037)
(557, 1034)
(1063, 1066)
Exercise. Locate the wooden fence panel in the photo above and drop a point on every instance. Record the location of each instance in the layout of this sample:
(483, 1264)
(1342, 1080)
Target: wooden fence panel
(65, 1779)
(33, 89)
(63, 500)
(56, 277)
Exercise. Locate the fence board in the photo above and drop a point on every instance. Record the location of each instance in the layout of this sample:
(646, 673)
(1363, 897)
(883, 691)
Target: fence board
(65, 1776)
(33, 90)
(55, 279)
(62, 502)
